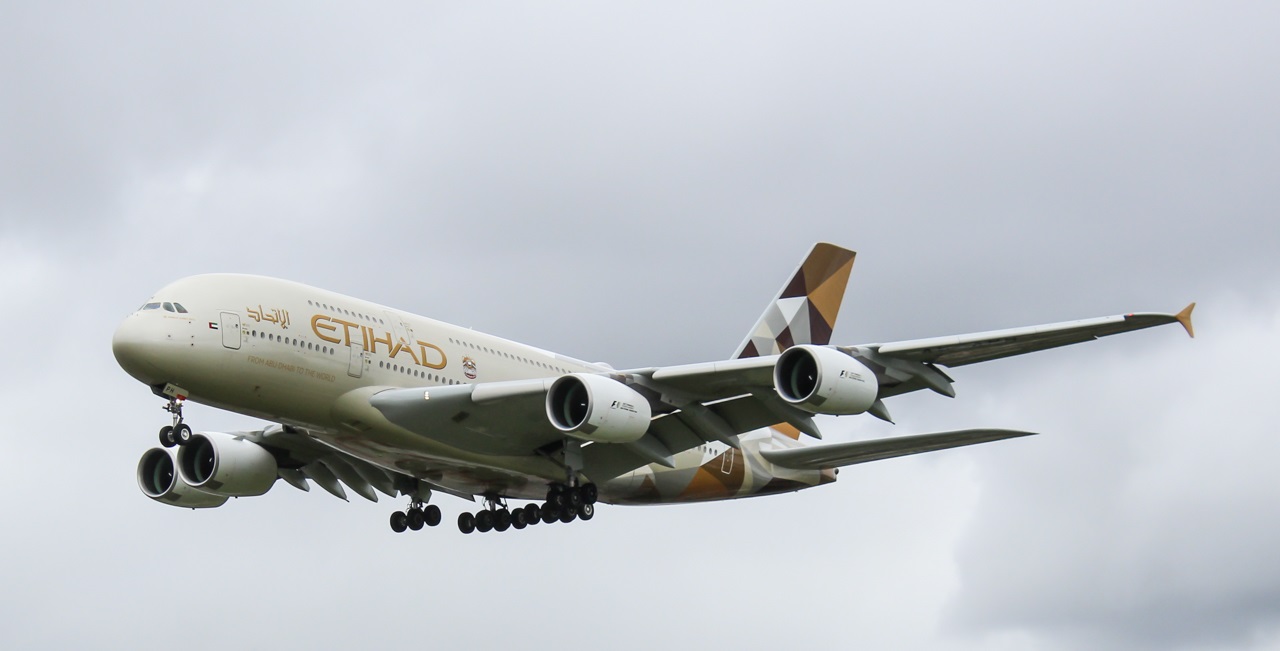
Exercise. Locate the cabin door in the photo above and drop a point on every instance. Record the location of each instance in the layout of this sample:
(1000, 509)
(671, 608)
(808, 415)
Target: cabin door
(356, 367)
(230, 327)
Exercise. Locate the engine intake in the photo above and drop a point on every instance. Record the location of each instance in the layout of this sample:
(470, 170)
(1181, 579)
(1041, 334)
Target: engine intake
(223, 464)
(597, 408)
(824, 380)
(158, 479)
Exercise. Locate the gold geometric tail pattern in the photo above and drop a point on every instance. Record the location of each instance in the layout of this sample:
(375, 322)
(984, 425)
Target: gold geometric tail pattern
(805, 310)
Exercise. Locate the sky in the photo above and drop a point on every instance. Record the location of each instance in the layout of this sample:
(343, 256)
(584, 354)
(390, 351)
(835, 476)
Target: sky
(631, 183)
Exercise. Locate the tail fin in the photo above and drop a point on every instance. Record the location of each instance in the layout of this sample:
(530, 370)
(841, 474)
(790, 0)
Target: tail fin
(805, 310)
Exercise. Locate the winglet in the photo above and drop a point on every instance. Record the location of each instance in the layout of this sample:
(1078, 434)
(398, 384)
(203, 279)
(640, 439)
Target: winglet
(1184, 317)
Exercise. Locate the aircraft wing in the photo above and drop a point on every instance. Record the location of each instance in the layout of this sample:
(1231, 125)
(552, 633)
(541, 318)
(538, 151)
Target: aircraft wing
(716, 401)
(819, 457)
(985, 346)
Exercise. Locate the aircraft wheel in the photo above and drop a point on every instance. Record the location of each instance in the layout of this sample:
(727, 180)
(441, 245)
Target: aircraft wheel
(568, 515)
(550, 512)
(416, 519)
(167, 438)
(532, 514)
(573, 497)
(590, 493)
(466, 522)
(587, 511)
(182, 433)
(518, 520)
(484, 521)
(433, 515)
(501, 520)
(399, 522)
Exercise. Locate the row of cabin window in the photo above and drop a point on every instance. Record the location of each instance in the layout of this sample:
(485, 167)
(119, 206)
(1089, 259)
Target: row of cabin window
(286, 340)
(166, 306)
(370, 319)
(415, 372)
(508, 355)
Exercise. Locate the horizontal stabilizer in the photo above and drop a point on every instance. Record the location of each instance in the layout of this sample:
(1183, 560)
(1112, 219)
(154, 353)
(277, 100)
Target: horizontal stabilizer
(819, 457)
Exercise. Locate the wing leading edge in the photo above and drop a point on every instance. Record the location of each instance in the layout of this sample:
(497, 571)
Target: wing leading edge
(821, 457)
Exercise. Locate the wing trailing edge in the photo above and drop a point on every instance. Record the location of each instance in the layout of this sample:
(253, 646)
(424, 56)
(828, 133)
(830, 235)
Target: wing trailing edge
(820, 457)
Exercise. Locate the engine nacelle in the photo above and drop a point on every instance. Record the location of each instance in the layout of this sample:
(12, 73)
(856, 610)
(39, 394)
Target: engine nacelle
(226, 465)
(824, 380)
(158, 478)
(597, 408)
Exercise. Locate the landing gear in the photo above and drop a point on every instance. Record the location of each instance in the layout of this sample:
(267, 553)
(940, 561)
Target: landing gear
(399, 522)
(179, 433)
(466, 522)
(415, 517)
(578, 504)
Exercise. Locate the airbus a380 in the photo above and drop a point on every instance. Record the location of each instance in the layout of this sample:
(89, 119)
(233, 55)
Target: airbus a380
(383, 401)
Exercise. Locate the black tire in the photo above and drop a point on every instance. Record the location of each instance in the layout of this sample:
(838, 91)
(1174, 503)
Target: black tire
(532, 514)
(433, 515)
(501, 520)
(587, 511)
(399, 522)
(590, 493)
(166, 436)
(554, 490)
(484, 521)
(182, 433)
(568, 515)
(573, 497)
(466, 522)
(550, 513)
(416, 519)
(518, 520)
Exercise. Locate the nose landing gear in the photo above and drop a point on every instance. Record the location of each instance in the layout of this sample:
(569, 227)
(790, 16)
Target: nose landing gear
(179, 433)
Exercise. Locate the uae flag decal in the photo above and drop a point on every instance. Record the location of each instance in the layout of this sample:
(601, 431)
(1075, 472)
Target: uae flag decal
(213, 326)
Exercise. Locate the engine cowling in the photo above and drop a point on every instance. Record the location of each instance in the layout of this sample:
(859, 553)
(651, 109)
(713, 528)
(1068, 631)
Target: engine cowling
(158, 478)
(597, 408)
(824, 380)
(223, 464)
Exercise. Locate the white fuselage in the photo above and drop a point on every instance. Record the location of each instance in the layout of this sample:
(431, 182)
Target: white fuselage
(309, 358)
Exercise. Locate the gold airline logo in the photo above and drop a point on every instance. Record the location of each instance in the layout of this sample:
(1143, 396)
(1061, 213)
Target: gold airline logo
(276, 316)
(340, 332)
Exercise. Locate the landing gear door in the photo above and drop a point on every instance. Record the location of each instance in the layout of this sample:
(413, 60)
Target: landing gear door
(356, 368)
(230, 327)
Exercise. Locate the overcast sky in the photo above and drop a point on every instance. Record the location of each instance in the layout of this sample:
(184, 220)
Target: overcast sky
(631, 183)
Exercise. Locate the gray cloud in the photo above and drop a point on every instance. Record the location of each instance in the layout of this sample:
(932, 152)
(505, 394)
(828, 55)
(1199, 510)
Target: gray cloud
(631, 184)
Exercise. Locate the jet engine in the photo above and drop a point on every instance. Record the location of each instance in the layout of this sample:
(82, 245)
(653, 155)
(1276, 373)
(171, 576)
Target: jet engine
(159, 480)
(227, 465)
(597, 408)
(824, 380)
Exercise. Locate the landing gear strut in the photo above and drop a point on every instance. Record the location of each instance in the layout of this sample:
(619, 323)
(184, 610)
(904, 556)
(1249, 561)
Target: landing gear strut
(179, 433)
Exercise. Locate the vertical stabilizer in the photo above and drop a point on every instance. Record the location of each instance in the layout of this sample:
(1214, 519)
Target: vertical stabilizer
(805, 310)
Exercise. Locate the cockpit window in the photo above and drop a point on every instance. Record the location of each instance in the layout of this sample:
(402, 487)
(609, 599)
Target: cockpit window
(168, 307)
(151, 306)
(181, 310)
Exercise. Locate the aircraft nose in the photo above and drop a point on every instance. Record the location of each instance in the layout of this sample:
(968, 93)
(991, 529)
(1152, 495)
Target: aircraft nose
(135, 351)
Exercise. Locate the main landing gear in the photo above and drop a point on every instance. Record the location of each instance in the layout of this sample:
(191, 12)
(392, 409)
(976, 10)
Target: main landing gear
(415, 517)
(179, 433)
(564, 504)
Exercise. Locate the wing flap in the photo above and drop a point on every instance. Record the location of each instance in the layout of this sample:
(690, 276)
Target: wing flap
(820, 457)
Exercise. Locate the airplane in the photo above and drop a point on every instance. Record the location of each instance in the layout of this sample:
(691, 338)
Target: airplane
(383, 401)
